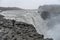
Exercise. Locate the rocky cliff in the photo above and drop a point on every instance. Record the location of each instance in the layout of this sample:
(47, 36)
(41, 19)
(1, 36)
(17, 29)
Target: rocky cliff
(14, 30)
(49, 8)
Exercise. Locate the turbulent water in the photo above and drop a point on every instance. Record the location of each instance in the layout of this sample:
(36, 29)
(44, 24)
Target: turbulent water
(50, 27)
(31, 17)
(54, 27)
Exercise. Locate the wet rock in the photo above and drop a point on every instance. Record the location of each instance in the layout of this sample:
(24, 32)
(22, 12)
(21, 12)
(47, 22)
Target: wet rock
(45, 15)
(14, 30)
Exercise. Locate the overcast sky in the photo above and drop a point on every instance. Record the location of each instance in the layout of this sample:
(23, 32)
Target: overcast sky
(27, 4)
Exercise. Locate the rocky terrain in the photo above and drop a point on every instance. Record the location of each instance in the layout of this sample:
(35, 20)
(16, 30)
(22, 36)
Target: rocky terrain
(14, 30)
(49, 8)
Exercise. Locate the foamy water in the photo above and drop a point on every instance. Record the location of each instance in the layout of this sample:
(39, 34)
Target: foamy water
(31, 18)
(50, 27)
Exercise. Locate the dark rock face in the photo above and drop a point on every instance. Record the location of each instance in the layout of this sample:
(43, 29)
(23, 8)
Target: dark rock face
(49, 8)
(47, 11)
(45, 15)
(13, 30)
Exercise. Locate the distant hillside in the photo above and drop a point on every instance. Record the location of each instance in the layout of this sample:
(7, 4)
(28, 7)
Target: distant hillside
(9, 8)
(49, 8)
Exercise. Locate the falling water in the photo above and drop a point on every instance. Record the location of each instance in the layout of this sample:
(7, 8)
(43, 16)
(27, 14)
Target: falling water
(54, 27)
